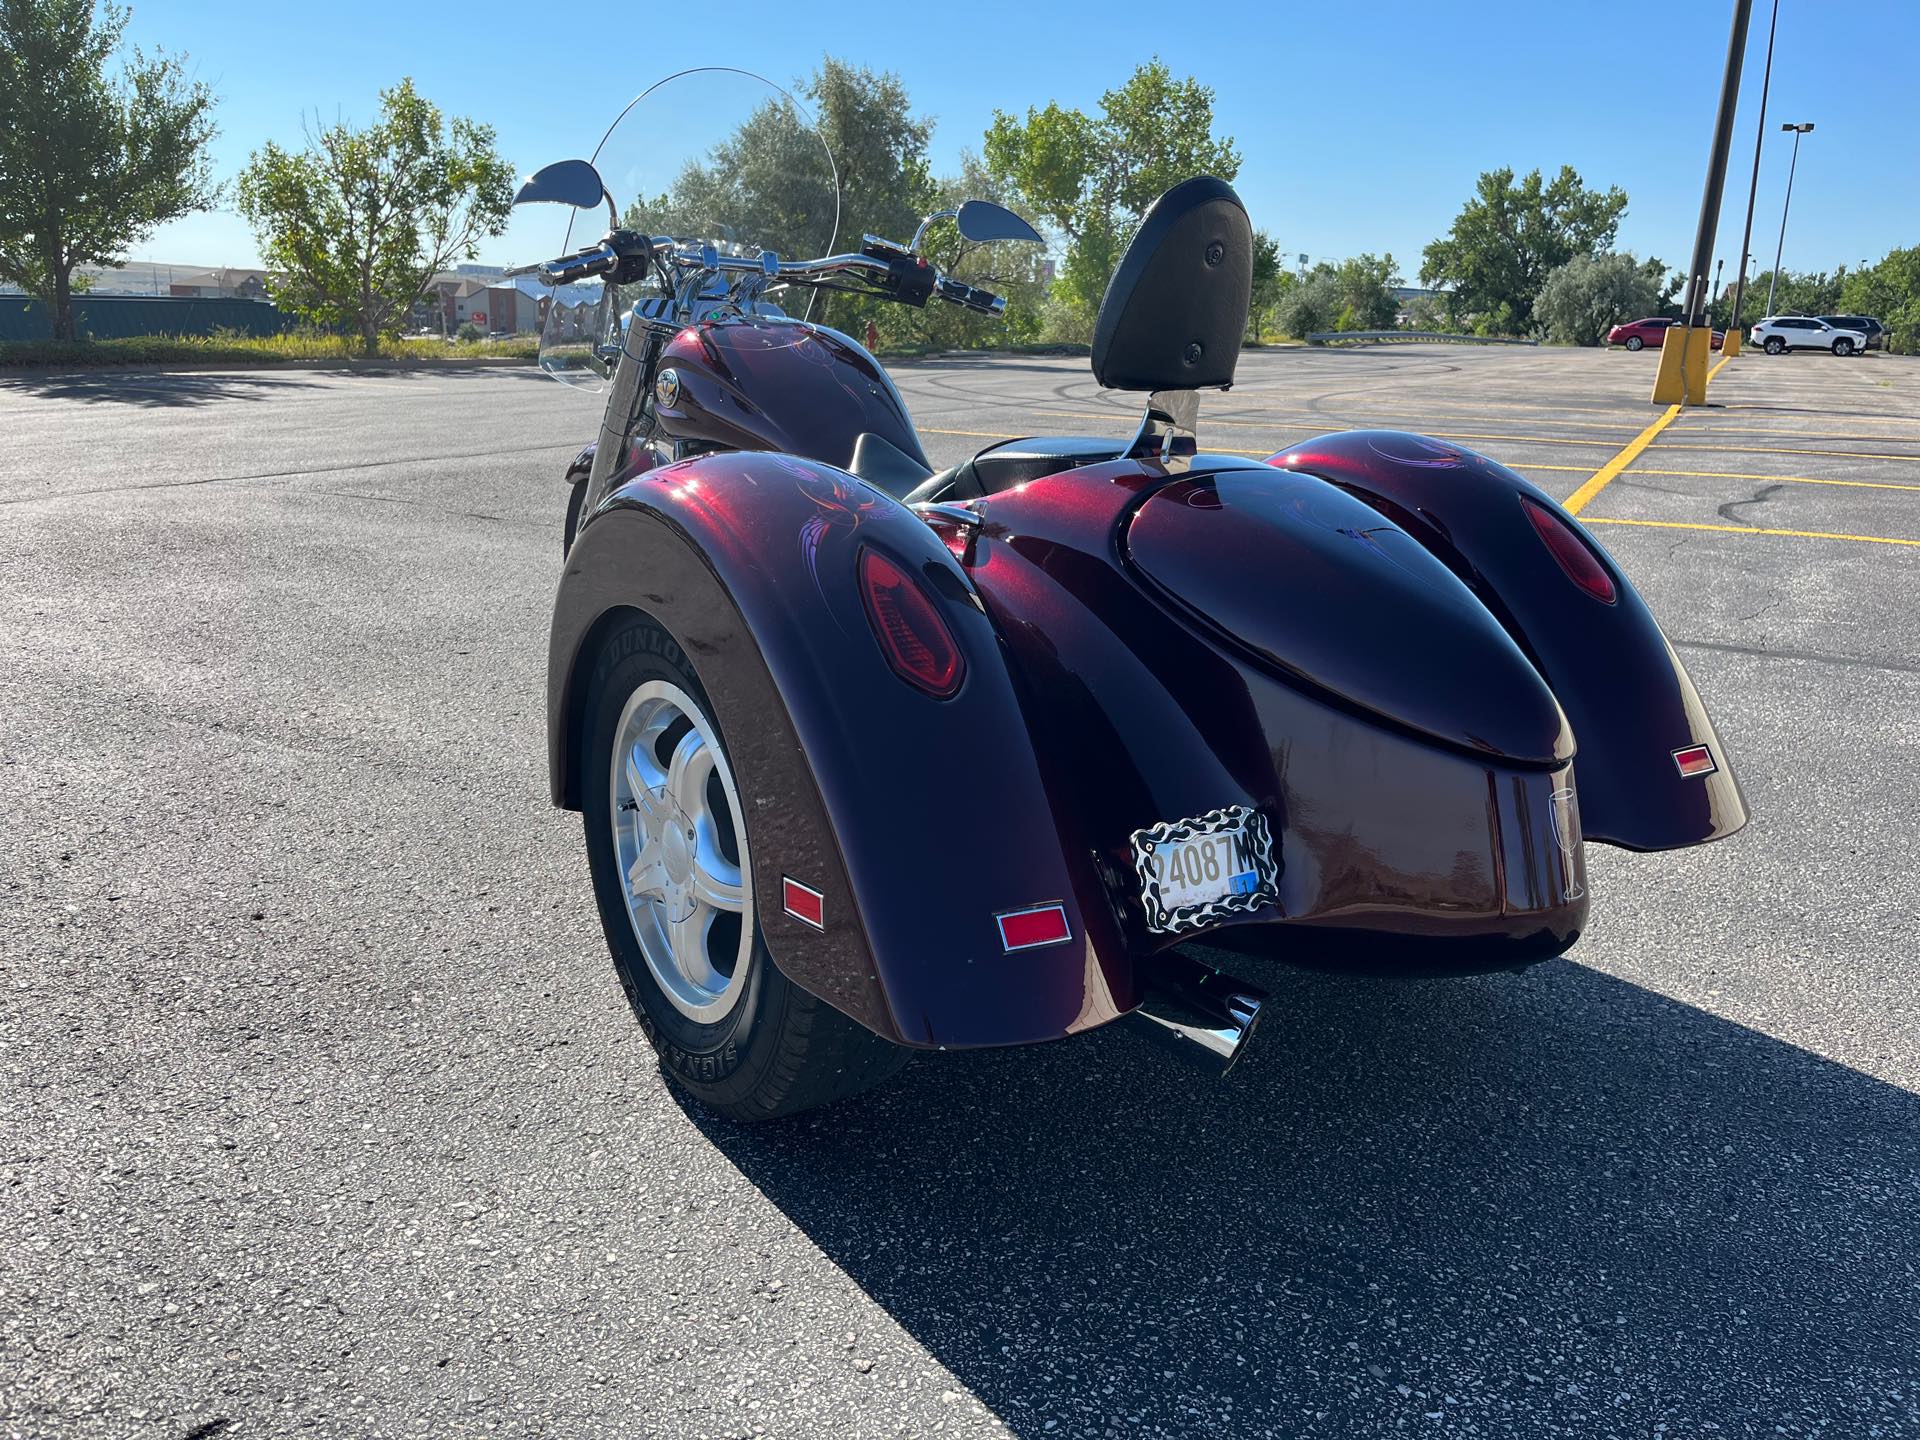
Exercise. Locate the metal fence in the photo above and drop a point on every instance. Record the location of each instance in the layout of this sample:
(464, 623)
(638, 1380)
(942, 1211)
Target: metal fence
(114, 317)
(1375, 337)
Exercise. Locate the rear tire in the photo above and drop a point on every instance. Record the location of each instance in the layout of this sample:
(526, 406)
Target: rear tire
(1774, 345)
(1634, 342)
(739, 1036)
(1843, 346)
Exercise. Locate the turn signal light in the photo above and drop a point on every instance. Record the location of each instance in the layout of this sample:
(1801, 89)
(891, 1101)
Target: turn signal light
(913, 637)
(1572, 551)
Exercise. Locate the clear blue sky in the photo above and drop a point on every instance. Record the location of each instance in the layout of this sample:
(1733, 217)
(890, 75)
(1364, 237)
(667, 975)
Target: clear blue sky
(1363, 125)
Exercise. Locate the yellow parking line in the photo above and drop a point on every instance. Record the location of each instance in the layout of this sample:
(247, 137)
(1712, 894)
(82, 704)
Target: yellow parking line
(1327, 423)
(1575, 502)
(1785, 450)
(1604, 475)
(1785, 479)
(999, 435)
(1753, 530)
(976, 434)
(1718, 368)
(1751, 433)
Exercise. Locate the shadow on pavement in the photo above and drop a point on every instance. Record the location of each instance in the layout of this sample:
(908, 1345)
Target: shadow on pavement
(151, 390)
(1519, 1204)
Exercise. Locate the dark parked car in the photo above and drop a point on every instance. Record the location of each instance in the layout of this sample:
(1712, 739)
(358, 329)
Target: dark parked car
(1875, 332)
(1652, 332)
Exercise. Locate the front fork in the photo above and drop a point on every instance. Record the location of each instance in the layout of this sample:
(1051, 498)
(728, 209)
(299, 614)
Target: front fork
(626, 408)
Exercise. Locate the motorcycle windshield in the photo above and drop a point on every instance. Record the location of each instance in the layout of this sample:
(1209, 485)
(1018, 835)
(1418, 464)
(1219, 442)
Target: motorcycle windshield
(713, 156)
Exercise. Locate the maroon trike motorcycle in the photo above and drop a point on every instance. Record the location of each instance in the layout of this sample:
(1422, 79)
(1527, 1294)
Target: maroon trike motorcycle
(874, 758)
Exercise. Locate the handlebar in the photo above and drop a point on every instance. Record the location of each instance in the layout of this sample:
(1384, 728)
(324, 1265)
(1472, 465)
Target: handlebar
(896, 270)
(595, 260)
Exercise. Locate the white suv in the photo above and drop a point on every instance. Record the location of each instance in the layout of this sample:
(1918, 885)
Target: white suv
(1797, 332)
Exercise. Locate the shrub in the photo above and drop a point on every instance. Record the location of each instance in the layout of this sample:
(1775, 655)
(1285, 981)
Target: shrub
(1589, 294)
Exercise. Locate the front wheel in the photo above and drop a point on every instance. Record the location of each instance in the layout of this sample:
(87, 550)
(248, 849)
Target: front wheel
(1843, 346)
(1774, 345)
(672, 870)
(1634, 342)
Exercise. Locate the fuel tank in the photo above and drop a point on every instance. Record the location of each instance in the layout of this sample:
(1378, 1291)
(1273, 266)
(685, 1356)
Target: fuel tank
(749, 382)
(1326, 590)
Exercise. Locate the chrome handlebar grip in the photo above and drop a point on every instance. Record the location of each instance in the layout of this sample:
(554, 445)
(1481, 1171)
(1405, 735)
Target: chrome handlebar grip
(599, 260)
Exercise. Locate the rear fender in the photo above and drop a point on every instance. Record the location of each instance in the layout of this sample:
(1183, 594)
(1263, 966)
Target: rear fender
(1630, 701)
(917, 820)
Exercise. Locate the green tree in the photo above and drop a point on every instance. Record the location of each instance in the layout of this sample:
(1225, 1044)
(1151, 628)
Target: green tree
(1589, 294)
(1008, 268)
(1269, 279)
(89, 165)
(1091, 177)
(1811, 292)
(768, 185)
(1510, 236)
(770, 182)
(355, 226)
(1311, 305)
(1890, 292)
(1356, 294)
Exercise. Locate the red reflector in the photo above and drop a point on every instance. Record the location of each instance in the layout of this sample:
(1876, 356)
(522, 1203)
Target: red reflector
(1572, 551)
(1695, 760)
(1039, 925)
(803, 903)
(911, 633)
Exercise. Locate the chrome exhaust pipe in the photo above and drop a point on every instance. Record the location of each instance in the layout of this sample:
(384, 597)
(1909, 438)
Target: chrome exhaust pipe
(1203, 1013)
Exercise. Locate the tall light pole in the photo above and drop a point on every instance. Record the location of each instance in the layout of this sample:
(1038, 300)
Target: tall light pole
(1682, 366)
(1792, 165)
(1753, 188)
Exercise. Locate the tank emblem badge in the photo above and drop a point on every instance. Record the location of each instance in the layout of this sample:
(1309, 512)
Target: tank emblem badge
(666, 389)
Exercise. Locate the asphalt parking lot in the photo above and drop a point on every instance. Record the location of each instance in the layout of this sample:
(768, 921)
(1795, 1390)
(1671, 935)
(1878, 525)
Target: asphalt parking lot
(321, 1113)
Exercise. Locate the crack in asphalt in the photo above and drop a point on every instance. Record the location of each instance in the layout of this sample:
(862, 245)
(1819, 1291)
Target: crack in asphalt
(1759, 497)
(1849, 662)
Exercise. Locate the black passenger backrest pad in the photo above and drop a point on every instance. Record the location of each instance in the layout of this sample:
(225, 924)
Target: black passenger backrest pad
(1176, 307)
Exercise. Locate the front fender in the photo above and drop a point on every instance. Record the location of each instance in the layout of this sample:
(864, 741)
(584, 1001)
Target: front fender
(917, 820)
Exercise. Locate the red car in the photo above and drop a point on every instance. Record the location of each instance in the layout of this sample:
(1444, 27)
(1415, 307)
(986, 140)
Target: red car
(1639, 334)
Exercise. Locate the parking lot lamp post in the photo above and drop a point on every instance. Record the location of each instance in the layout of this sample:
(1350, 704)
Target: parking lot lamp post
(1753, 191)
(1792, 165)
(1681, 378)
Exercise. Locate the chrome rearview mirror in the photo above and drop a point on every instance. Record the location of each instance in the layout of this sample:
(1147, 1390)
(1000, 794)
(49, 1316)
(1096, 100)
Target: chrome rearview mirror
(980, 221)
(565, 182)
(983, 220)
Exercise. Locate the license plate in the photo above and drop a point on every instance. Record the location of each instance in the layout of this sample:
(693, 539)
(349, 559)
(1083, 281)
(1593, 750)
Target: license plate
(1197, 872)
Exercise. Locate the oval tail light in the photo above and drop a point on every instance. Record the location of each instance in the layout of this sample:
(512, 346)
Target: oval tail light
(1570, 548)
(912, 634)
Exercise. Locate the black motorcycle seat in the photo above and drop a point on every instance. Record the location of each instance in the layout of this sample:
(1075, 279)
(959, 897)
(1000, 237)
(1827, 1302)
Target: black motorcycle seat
(1009, 463)
(884, 465)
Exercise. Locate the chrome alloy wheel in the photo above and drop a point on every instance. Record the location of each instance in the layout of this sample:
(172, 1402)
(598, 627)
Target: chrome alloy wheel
(682, 851)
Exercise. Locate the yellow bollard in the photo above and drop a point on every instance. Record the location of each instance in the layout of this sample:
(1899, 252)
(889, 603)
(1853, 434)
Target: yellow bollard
(1682, 377)
(1732, 345)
